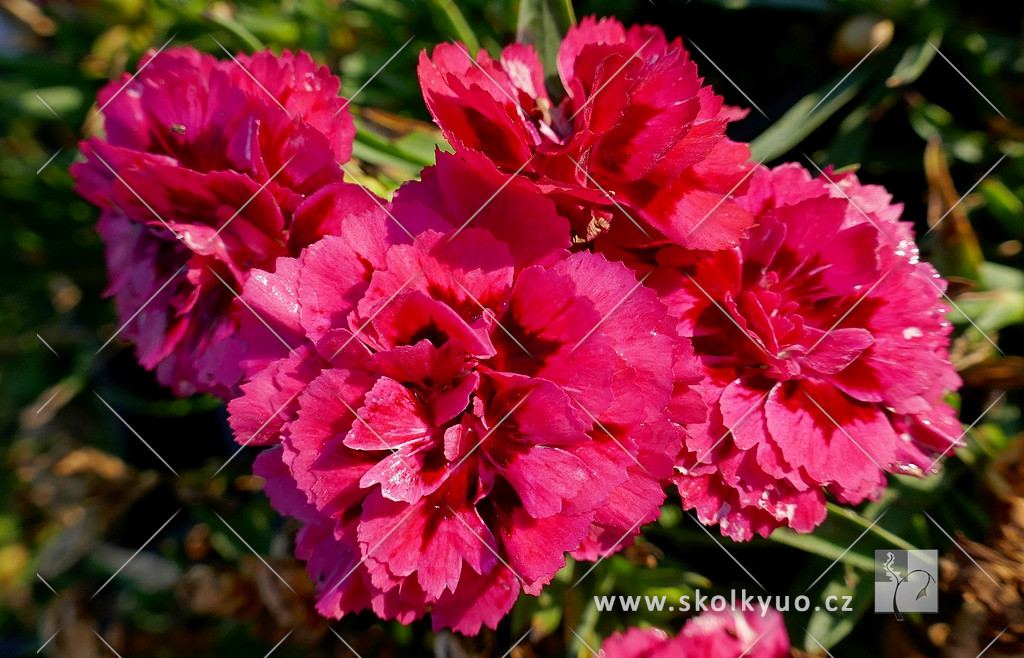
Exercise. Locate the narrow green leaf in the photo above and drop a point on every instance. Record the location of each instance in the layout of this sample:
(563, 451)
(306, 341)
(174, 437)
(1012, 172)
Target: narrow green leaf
(844, 536)
(993, 276)
(877, 530)
(800, 5)
(915, 60)
(64, 100)
(851, 589)
(1004, 205)
(856, 129)
(448, 18)
(818, 544)
(421, 147)
(401, 155)
(806, 115)
(249, 41)
(542, 24)
(988, 311)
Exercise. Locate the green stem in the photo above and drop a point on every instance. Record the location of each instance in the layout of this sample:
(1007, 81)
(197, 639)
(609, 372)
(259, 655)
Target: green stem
(588, 620)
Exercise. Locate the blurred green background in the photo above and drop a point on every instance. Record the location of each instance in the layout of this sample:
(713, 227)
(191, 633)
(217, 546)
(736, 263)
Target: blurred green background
(926, 95)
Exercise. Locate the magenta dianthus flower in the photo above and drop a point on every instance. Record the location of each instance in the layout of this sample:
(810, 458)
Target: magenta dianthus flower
(208, 169)
(635, 139)
(823, 340)
(452, 414)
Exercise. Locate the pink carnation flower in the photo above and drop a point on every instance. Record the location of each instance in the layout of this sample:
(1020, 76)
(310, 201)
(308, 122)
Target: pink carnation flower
(208, 169)
(635, 122)
(824, 343)
(728, 634)
(450, 415)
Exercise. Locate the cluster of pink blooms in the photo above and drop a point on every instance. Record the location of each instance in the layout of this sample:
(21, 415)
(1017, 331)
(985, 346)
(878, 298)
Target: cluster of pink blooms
(588, 301)
(725, 634)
